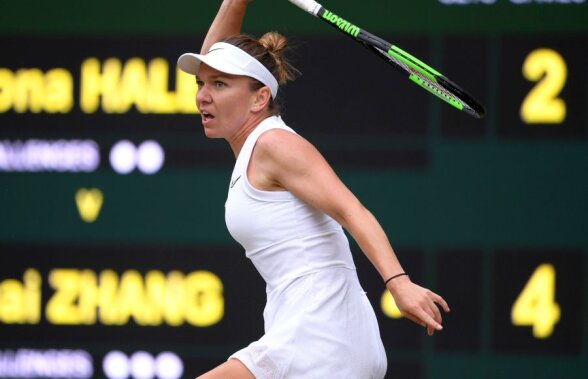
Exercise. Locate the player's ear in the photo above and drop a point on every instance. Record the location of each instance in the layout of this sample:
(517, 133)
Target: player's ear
(261, 99)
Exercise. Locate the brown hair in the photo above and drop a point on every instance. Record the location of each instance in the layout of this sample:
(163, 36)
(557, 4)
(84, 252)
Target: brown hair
(270, 51)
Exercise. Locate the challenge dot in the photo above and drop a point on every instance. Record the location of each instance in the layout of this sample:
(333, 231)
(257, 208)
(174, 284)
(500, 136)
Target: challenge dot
(150, 157)
(147, 158)
(123, 157)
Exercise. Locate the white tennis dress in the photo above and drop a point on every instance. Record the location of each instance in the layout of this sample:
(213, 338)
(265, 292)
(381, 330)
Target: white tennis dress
(319, 323)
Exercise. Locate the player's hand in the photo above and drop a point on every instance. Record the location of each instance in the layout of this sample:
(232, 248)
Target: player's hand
(418, 304)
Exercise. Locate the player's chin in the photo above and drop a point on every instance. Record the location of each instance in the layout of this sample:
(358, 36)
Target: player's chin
(211, 133)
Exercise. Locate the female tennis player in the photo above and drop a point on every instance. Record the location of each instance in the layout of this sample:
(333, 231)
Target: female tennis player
(287, 207)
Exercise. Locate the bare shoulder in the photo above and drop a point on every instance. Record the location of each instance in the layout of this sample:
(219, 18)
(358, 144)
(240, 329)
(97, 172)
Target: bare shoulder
(280, 143)
(276, 136)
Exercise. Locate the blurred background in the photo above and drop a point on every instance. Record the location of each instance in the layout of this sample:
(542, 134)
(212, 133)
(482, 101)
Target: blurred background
(114, 258)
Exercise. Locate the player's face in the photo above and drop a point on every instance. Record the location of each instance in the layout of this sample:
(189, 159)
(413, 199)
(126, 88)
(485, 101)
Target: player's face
(224, 101)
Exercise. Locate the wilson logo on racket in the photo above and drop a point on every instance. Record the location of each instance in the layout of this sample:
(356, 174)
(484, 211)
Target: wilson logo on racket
(341, 23)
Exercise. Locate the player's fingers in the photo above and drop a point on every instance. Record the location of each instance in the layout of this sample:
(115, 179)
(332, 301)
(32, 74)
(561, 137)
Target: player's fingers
(429, 320)
(436, 314)
(414, 319)
(439, 300)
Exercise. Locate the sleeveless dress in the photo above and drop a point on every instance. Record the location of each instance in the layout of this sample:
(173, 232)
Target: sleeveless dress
(318, 321)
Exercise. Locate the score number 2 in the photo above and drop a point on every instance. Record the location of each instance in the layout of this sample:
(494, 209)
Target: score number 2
(542, 105)
(535, 305)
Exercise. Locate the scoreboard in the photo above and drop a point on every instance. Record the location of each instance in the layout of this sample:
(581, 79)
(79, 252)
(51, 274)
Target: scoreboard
(114, 258)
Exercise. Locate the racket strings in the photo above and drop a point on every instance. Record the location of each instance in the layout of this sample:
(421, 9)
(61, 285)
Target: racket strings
(433, 85)
(426, 82)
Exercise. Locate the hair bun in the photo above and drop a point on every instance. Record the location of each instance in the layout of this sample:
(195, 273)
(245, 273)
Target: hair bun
(276, 45)
(274, 42)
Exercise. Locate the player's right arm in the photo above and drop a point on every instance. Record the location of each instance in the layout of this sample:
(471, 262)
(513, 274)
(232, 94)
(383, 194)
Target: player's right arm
(227, 23)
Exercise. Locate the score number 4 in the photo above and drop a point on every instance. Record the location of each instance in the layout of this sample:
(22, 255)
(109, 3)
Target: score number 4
(535, 305)
(542, 105)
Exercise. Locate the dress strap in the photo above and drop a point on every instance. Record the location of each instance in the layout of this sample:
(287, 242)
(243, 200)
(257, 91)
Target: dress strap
(274, 122)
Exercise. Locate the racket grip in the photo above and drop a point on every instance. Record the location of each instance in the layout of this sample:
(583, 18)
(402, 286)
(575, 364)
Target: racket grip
(310, 6)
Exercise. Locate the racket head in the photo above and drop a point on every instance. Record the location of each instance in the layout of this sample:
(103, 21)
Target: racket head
(472, 106)
(431, 80)
(417, 71)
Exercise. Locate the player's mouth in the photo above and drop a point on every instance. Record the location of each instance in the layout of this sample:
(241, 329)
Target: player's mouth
(206, 117)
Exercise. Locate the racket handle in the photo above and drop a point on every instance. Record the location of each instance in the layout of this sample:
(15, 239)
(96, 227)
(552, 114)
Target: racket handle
(310, 6)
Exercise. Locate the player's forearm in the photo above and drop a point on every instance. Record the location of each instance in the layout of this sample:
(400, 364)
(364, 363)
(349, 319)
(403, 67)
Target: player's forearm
(374, 243)
(228, 22)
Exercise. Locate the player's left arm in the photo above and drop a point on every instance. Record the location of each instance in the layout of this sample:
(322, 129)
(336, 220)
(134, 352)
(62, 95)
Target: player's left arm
(297, 166)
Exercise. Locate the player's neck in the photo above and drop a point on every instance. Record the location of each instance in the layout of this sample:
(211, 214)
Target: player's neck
(238, 139)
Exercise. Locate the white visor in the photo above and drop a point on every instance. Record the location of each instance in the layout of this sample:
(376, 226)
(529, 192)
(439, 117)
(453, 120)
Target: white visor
(229, 59)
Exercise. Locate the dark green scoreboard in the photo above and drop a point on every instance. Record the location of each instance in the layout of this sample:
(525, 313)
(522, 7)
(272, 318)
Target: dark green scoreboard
(114, 257)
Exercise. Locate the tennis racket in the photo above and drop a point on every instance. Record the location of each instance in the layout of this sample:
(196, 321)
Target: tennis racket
(417, 71)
